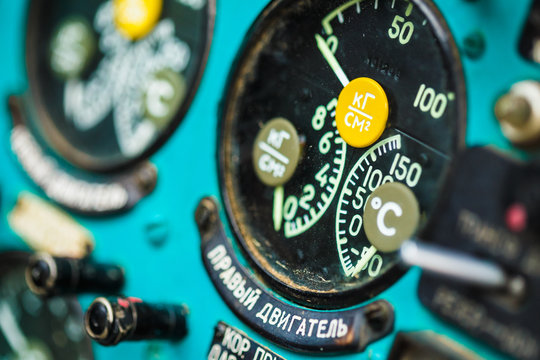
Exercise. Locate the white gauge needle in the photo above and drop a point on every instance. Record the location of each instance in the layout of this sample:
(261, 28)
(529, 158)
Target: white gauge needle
(278, 207)
(364, 260)
(331, 59)
(12, 332)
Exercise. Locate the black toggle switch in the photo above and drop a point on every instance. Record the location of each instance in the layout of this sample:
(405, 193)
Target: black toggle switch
(110, 321)
(49, 276)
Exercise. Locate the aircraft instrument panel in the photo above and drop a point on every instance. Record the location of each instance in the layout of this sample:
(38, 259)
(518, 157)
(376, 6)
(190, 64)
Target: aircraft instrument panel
(270, 179)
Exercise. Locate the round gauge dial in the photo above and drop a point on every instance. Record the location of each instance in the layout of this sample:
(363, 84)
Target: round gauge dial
(111, 80)
(34, 328)
(304, 234)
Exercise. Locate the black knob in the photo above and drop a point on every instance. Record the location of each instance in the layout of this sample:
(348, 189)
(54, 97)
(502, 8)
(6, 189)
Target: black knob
(48, 276)
(110, 321)
(40, 273)
(97, 319)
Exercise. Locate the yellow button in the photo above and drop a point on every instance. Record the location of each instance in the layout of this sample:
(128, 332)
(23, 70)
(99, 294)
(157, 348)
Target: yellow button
(136, 18)
(361, 112)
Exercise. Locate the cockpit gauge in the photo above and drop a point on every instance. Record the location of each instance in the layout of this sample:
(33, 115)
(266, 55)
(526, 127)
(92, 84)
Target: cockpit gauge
(111, 80)
(304, 232)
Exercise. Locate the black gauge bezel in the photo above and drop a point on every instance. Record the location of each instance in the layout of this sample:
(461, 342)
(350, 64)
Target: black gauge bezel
(54, 137)
(227, 112)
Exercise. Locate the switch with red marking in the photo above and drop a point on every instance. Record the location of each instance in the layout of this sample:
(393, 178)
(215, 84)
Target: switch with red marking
(113, 320)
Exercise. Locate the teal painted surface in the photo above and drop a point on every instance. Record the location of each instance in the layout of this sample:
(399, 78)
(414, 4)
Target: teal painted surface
(187, 167)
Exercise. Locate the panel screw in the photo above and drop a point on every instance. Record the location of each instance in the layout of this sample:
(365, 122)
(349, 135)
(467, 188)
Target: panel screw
(206, 214)
(146, 178)
(474, 45)
(157, 231)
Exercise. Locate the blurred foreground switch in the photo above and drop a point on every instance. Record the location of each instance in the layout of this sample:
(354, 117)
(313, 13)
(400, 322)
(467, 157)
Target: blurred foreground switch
(110, 321)
(49, 276)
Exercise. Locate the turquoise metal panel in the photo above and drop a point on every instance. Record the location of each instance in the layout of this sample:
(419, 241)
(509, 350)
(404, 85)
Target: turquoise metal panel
(173, 271)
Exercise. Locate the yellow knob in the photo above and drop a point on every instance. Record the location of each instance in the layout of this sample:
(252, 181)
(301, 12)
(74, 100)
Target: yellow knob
(136, 18)
(361, 112)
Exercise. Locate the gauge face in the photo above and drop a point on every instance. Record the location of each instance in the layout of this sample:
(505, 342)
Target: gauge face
(33, 328)
(111, 80)
(305, 235)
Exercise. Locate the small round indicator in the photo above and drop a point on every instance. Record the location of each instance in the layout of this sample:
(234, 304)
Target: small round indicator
(276, 152)
(72, 47)
(516, 217)
(361, 112)
(136, 18)
(164, 94)
(391, 216)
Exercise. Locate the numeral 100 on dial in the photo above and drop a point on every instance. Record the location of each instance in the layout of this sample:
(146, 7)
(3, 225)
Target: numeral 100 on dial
(428, 100)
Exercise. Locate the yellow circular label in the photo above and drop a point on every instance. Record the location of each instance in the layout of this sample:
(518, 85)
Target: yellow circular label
(361, 112)
(136, 18)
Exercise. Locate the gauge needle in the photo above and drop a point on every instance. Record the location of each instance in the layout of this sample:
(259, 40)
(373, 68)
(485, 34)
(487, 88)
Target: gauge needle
(278, 207)
(12, 332)
(364, 260)
(331, 59)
